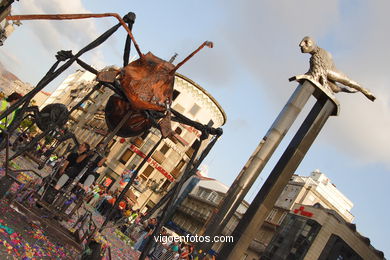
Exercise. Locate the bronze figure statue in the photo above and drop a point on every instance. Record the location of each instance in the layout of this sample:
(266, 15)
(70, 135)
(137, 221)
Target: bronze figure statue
(323, 70)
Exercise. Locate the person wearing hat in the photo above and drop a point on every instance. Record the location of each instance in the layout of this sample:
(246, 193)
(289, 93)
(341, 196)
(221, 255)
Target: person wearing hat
(5, 103)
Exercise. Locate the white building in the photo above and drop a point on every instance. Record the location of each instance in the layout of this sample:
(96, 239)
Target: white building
(202, 202)
(317, 188)
(64, 90)
(311, 190)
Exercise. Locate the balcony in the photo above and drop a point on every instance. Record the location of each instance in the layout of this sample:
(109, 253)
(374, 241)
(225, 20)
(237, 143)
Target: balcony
(158, 157)
(141, 188)
(193, 213)
(203, 200)
(257, 246)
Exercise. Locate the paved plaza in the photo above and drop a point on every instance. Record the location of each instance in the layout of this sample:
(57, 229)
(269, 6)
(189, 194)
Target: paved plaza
(25, 237)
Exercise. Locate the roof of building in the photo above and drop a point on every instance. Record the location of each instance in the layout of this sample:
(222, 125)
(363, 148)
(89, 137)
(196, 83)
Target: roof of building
(205, 92)
(214, 185)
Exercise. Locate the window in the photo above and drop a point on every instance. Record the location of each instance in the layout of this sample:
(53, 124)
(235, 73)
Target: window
(137, 142)
(126, 156)
(306, 230)
(205, 194)
(143, 178)
(179, 108)
(165, 185)
(195, 109)
(213, 196)
(173, 139)
(176, 172)
(282, 218)
(191, 150)
(149, 169)
(175, 94)
(110, 144)
(164, 149)
(158, 156)
(178, 130)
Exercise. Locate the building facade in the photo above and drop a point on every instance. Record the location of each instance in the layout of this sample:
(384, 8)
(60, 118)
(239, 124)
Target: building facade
(169, 159)
(6, 27)
(314, 232)
(316, 188)
(194, 212)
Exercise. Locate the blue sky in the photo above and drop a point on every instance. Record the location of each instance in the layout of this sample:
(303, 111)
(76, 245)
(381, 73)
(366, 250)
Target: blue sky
(256, 51)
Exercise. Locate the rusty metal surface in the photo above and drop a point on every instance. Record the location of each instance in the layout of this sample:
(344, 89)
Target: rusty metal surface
(148, 83)
(116, 109)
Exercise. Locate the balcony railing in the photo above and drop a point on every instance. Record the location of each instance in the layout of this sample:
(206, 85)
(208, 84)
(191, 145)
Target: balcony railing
(193, 213)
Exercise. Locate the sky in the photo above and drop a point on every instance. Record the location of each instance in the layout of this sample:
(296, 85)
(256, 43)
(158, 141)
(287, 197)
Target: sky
(255, 52)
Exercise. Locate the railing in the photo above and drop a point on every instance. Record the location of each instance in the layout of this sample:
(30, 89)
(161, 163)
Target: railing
(193, 213)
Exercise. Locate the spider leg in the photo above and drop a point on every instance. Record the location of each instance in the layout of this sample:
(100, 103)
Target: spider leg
(206, 43)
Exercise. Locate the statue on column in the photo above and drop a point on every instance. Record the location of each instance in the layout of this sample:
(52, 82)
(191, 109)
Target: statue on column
(323, 71)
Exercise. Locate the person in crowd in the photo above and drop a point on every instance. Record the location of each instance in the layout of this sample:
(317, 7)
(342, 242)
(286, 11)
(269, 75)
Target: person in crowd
(134, 216)
(4, 105)
(74, 164)
(107, 204)
(105, 196)
(146, 234)
(95, 162)
(96, 191)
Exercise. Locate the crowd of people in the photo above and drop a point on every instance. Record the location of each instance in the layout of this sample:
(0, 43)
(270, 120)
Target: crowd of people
(127, 219)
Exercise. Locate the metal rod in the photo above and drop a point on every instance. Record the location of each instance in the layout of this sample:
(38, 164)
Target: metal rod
(6, 134)
(185, 120)
(128, 185)
(170, 207)
(95, 88)
(166, 197)
(129, 19)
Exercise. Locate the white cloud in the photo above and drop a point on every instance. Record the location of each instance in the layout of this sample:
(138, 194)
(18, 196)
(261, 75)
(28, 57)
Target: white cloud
(265, 40)
(61, 35)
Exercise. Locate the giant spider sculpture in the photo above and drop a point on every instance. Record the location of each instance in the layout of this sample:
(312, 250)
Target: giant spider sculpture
(144, 87)
(143, 96)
